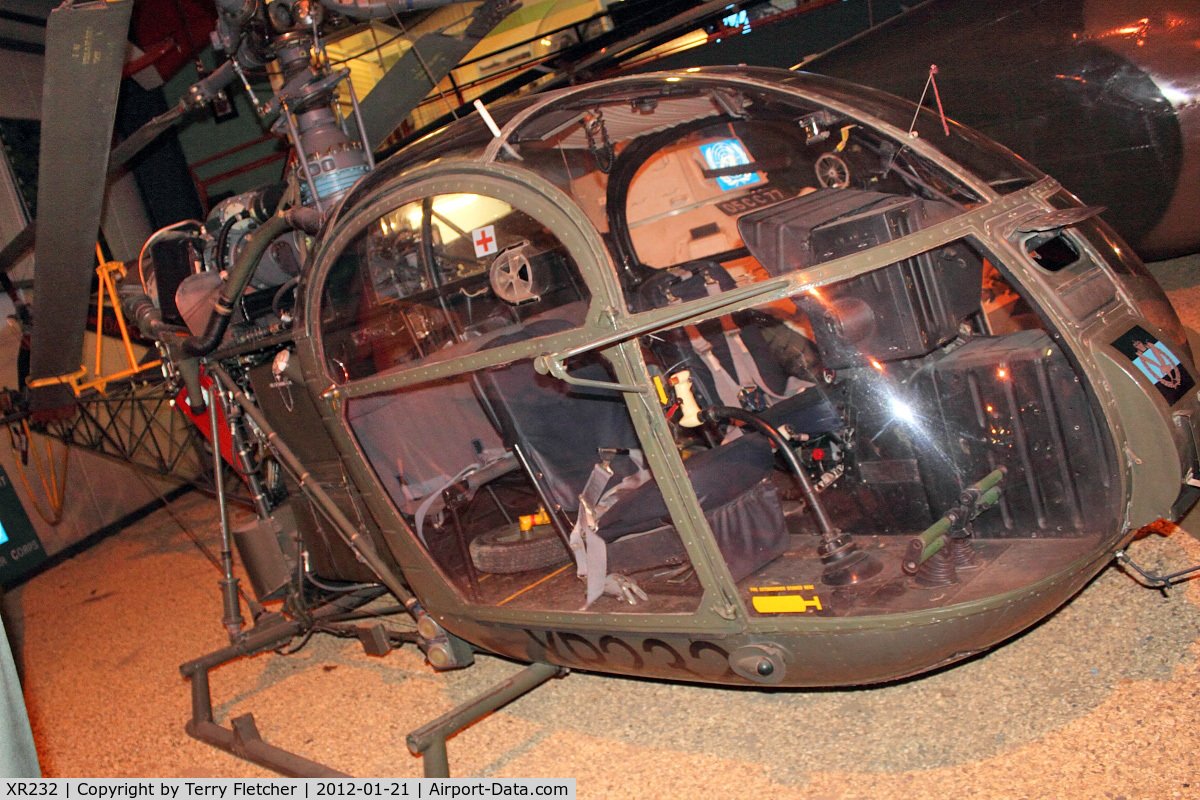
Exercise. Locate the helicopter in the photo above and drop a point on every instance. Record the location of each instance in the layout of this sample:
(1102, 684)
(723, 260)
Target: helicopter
(738, 376)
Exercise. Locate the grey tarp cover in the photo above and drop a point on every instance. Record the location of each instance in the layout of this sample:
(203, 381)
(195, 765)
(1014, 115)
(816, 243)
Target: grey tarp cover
(426, 435)
(18, 758)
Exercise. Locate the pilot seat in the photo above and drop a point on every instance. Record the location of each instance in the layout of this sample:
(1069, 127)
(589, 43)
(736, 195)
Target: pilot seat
(570, 434)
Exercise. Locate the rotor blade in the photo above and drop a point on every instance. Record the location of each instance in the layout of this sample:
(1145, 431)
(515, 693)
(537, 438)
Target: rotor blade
(85, 49)
(143, 136)
(693, 17)
(563, 69)
(22, 243)
(422, 68)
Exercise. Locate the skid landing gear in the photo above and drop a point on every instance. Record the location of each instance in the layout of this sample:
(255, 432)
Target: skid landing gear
(242, 738)
(429, 741)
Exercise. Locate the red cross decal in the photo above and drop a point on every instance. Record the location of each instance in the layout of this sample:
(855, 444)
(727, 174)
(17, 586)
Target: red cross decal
(484, 240)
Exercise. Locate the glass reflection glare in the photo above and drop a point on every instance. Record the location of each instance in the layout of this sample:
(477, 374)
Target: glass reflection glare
(903, 411)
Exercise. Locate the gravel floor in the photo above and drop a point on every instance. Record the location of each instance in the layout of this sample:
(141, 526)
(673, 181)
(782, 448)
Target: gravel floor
(1099, 701)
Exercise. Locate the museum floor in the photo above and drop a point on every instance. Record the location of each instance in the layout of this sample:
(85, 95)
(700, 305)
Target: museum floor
(1100, 701)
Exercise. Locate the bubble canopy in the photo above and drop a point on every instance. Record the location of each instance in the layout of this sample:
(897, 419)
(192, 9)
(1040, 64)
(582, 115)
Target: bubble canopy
(765, 359)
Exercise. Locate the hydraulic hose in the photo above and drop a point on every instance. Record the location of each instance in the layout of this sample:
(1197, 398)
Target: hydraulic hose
(303, 218)
(140, 308)
(844, 562)
(256, 243)
(223, 238)
(281, 292)
(717, 413)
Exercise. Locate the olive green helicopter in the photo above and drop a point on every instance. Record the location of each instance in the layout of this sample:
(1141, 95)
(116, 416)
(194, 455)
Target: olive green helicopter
(729, 375)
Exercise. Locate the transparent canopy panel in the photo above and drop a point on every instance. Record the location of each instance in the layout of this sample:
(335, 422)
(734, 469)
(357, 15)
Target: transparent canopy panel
(424, 281)
(1004, 171)
(491, 472)
(675, 173)
(940, 447)
(490, 468)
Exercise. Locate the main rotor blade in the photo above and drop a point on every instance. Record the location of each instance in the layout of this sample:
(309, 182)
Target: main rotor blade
(143, 136)
(22, 243)
(422, 68)
(680, 22)
(85, 49)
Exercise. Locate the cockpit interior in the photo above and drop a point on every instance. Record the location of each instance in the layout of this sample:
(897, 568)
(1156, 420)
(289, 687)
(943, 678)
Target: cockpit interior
(902, 438)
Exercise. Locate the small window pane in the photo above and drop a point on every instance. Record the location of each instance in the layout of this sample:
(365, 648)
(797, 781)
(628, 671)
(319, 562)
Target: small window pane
(1052, 251)
(425, 281)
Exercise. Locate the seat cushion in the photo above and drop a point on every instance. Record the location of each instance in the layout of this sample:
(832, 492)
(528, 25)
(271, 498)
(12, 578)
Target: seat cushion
(719, 476)
(750, 531)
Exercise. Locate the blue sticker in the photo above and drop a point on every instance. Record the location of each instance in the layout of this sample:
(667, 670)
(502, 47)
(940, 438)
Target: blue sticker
(729, 153)
(20, 549)
(1156, 362)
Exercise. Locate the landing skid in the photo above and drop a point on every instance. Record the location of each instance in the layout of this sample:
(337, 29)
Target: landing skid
(429, 740)
(242, 738)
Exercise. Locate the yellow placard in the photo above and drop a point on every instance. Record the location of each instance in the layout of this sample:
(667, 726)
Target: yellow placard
(785, 604)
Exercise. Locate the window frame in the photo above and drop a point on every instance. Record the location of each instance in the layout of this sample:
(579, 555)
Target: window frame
(522, 191)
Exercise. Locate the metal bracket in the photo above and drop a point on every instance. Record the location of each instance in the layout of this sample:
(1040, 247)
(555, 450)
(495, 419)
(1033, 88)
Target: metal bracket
(553, 365)
(1153, 580)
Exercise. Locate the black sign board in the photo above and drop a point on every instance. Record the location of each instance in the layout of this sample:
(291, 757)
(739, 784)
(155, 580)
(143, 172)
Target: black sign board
(20, 548)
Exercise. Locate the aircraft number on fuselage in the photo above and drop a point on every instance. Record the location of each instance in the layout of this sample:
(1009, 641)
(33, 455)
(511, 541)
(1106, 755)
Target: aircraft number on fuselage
(751, 201)
(700, 659)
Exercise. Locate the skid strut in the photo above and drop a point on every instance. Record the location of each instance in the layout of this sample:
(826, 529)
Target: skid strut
(429, 740)
(242, 738)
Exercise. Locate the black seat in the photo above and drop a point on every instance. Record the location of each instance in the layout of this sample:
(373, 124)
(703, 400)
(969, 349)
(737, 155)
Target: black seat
(563, 430)
(808, 412)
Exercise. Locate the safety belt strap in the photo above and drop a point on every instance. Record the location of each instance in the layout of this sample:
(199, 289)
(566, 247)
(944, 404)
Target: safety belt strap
(728, 389)
(427, 503)
(743, 362)
(588, 549)
(746, 367)
(585, 520)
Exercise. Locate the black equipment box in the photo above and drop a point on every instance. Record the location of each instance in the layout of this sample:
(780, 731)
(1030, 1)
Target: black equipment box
(175, 258)
(903, 310)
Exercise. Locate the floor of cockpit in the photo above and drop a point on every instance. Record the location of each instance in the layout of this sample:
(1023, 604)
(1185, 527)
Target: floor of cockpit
(669, 590)
(793, 583)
